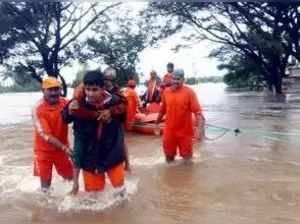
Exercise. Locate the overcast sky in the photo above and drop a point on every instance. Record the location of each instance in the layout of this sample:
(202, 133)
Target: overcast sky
(193, 60)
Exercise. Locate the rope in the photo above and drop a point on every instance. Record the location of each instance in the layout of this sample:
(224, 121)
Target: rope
(272, 135)
(217, 137)
(154, 126)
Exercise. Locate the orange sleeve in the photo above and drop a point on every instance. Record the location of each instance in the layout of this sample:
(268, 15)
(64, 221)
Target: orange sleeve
(86, 114)
(137, 99)
(194, 103)
(41, 123)
(163, 105)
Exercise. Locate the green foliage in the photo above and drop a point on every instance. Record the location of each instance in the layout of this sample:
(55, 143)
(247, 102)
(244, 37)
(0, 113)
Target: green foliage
(42, 37)
(265, 32)
(242, 73)
(118, 43)
(196, 80)
(214, 79)
(31, 86)
(191, 81)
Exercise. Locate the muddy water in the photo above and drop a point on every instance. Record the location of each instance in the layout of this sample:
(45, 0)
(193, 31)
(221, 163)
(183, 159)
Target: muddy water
(250, 178)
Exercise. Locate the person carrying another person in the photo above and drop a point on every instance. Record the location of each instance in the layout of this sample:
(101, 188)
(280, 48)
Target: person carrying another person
(110, 87)
(98, 135)
(152, 94)
(132, 103)
(179, 102)
(51, 146)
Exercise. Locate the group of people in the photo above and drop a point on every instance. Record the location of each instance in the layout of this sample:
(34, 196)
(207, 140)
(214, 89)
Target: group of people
(100, 113)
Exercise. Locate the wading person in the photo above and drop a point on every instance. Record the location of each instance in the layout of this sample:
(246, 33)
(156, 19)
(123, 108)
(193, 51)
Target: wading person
(98, 135)
(51, 145)
(132, 103)
(179, 102)
(111, 87)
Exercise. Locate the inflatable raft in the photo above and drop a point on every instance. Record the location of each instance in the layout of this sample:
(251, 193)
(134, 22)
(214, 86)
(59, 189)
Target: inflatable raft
(144, 123)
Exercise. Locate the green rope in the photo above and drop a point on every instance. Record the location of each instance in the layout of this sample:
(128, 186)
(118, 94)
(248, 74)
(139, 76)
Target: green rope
(274, 135)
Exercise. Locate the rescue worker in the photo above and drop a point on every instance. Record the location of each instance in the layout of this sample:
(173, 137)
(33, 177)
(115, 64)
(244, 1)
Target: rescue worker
(132, 103)
(51, 146)
(167, 79)
(179, 102)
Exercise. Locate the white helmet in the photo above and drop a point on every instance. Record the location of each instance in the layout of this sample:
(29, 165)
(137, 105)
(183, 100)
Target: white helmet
(111, 72)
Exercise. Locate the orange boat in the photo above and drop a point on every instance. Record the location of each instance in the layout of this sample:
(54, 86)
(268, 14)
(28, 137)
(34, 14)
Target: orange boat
(145, 122)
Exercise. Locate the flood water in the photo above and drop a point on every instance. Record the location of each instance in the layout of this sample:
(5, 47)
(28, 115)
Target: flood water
(253, 177)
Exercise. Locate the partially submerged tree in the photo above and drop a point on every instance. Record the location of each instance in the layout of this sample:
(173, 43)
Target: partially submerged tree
(42, 36)
(242, 72)
(255, 30)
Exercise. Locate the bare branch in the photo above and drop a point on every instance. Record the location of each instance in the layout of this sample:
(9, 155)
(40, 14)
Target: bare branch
(71, 13)
(88, 25)
(67, 6)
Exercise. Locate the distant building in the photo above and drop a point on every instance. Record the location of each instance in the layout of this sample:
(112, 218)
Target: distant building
(291, 83)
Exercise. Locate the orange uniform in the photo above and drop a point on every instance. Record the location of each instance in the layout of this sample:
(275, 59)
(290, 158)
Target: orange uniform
(178, 106)
(48, 122)
(96, 181)
(132, 106)
(167, 80)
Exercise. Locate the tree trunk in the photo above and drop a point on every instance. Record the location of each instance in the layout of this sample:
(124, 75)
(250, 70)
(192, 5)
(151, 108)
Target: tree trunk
(278, 83)
(64, 86)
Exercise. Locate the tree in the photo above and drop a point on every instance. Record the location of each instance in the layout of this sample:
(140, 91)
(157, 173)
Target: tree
(119, 42)
(253, 30)
(42, 36)
(119, 48)
(242, 72)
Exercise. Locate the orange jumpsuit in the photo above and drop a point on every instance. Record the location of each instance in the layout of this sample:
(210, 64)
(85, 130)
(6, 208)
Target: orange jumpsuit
(178, 106)
(167, 80)
(132, 106)
(48, 122)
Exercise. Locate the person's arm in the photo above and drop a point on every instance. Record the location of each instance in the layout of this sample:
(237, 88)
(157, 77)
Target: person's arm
(66, 116)
(162, 111)
(137, 101)
(196, 108)
(80, 112)
(44, 131)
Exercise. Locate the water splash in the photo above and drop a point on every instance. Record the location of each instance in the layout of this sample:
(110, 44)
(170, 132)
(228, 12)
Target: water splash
(18, 184)
(99, 201)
